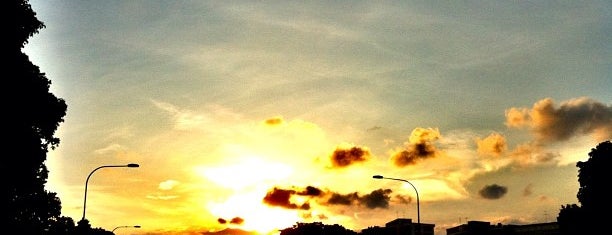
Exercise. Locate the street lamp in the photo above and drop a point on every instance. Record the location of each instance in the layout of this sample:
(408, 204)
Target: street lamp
(131, 165)
(126, 226)
(417, 196)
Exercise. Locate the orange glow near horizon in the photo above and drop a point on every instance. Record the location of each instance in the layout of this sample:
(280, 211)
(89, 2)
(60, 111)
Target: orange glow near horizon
(256, 215)
(249, 179)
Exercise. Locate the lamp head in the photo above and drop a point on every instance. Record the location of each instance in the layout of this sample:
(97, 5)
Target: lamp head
(377, 177)
(136, 226)
(133, 165)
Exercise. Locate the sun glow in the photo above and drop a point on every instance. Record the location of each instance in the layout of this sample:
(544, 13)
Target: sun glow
(250, 178)
(248, 172)
(256, 216)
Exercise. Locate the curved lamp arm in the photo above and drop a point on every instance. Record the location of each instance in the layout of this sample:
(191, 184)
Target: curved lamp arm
(415, 190)
(125, 226)
(131, 165)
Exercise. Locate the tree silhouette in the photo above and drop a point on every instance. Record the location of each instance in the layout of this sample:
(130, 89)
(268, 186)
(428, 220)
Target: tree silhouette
(593, 180)
(32, 115)
(317, 228)
(570, 219)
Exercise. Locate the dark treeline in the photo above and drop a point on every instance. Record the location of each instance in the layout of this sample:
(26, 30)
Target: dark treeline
(317, 228)
(34, 114)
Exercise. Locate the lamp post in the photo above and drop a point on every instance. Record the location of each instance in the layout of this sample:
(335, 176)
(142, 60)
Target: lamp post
(126, 226)
(131, 165)
(417, 196)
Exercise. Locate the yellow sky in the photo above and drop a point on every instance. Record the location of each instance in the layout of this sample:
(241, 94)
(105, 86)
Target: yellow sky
(258, 115)
(233, 172)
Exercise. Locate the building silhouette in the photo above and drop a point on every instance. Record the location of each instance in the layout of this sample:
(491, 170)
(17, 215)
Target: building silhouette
(400, 226)
(485, 228)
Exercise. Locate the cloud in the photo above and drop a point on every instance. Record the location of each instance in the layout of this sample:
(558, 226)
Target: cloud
(309, 215)
(228, 231)
(183, 119)
(376, 199)
(403, 200)
(343, 199)
(579, 116)
(274, 121)
(529, 154)
(418, 147)
(344, 157)
(109, 149)
(162, 197)
(311, 191)
(168, 184)
(236, 220)
(282, 197)
(494, 144)
(493, 191)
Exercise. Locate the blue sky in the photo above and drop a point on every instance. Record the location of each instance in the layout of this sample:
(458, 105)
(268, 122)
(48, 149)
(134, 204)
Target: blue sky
(221, 102)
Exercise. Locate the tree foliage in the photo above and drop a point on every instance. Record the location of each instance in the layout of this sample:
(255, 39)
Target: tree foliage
(33, 116)
(317, 228)
(593, 180)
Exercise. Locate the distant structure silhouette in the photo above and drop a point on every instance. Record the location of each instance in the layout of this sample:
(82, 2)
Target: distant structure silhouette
(400, 226)
(486, 228)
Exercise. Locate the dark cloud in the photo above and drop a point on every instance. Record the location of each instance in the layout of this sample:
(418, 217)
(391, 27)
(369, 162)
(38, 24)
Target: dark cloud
(376, 199)
(227, 231)
(343, 199)
(345, 157)
(311, 191)
(282, 197)
(274, 121)
(237, 220)
(413, 154)
(573, 117)
(403, 200)
(419, 147)
(493, 191)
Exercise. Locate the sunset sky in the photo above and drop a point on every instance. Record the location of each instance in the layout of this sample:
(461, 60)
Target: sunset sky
(259, 114)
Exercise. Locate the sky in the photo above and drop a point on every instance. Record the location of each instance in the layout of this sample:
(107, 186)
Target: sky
(256, 115)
